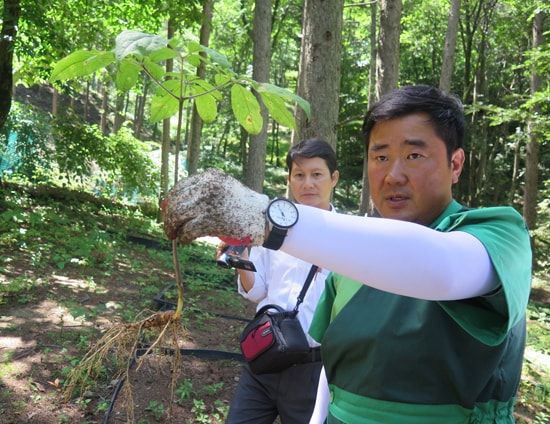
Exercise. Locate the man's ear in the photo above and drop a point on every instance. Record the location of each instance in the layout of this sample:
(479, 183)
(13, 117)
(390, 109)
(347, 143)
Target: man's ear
(457, 163)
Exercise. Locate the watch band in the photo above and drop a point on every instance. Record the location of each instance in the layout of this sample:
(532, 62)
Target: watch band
(275, 238)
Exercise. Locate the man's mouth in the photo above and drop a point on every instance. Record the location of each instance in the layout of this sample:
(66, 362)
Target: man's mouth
(396, 198)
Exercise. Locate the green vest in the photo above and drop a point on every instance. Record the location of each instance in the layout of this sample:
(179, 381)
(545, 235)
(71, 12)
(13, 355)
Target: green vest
(396, 359)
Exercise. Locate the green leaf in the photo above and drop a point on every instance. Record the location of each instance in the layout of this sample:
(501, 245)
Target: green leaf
(162, 107)
(283, 92)
(221, 79)
(174, 86)
(193, 46)
(201, 86)
(156, 71)
(81, 63)
(163, 54)
(246, 109)
(127, 75)
(278, 109)
(207, 107)
(134, 42)
(194, 59)
(217, 58)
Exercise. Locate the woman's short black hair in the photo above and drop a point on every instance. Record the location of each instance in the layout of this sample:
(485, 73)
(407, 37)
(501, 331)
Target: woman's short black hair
(312, 148)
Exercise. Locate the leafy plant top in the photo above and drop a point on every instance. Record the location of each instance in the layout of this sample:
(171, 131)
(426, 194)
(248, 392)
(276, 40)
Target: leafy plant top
(136, 53)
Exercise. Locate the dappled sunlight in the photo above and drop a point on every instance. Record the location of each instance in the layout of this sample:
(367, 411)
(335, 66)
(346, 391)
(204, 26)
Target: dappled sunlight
(13, 342)
(538, 359)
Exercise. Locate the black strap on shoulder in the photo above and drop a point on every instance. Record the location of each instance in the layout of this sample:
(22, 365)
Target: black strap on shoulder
(302, 294)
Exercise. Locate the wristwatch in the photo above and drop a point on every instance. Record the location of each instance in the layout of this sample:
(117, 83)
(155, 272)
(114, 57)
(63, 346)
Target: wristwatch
(282, 215)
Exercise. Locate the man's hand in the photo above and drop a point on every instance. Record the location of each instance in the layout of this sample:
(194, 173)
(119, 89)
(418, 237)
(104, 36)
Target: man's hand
(215, 204)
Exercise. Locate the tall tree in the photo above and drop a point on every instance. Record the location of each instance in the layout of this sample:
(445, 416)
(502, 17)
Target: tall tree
(450, 47)
(194, 140)
(532, 159)
(387, 63)
(320, 69)
(365, 203)
(478, 159)
(387, 66)
(10, 18)
(254, 171)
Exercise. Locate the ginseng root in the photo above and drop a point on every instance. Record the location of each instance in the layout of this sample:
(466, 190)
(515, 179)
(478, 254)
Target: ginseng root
(159, 319)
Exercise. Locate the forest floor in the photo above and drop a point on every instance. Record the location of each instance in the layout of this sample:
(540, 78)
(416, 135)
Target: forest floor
(40, 338)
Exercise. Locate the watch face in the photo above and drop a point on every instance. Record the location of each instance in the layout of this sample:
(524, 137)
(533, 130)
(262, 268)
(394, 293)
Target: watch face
(282, 213)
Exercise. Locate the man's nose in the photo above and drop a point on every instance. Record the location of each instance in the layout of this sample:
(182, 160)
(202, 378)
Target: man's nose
(396, 173)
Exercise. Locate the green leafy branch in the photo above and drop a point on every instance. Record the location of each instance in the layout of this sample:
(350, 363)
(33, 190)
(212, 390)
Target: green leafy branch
(136, 53)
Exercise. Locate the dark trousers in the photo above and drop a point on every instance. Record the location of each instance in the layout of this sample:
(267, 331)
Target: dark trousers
(290, 394)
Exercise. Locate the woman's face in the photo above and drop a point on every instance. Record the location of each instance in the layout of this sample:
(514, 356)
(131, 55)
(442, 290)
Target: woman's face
(311, 182)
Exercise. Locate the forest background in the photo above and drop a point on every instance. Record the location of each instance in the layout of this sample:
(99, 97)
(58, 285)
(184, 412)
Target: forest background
(98, 129)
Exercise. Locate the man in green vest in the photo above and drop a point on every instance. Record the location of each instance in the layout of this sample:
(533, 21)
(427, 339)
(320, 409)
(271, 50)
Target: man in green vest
(423, 316)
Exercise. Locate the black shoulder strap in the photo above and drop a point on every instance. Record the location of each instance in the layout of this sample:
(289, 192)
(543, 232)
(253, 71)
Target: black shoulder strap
(302, 294)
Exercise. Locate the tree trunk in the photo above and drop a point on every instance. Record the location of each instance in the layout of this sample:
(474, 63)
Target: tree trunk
(119, 112)
(450, 47)
(103, 125)
(10, 19)
(55, 101)
(478, 165)
(387, 71)
(86, 111)
(365, 202)
(254, 171)
(532, 159)
(194, 143)
(387, 63)
(140, 111)
(320, 69)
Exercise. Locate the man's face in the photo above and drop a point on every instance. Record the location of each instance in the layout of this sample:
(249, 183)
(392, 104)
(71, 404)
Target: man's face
(410, 176)
(311, 182)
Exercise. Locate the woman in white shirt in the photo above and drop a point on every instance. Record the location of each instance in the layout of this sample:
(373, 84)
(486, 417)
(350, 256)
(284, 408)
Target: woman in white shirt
(279, 277)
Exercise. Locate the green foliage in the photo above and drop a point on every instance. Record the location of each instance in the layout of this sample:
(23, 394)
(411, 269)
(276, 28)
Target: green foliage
(67, 151)
(20, 287)
(156, 408)
(137, 52)
(25, 144)
(184, 390)
(118, 164)
(57, 234)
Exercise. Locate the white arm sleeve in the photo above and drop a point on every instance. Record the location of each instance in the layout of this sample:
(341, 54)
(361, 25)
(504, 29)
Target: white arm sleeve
(395, 256)
(321, 401)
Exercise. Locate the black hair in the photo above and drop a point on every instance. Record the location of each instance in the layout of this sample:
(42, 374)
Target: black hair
(312, 148)
(446, 113)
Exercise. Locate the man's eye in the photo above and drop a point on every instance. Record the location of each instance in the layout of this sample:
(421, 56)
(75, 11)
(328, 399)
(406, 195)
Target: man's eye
(415, 155)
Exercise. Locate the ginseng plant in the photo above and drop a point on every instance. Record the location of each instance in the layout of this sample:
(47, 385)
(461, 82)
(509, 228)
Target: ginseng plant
(137, 55)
